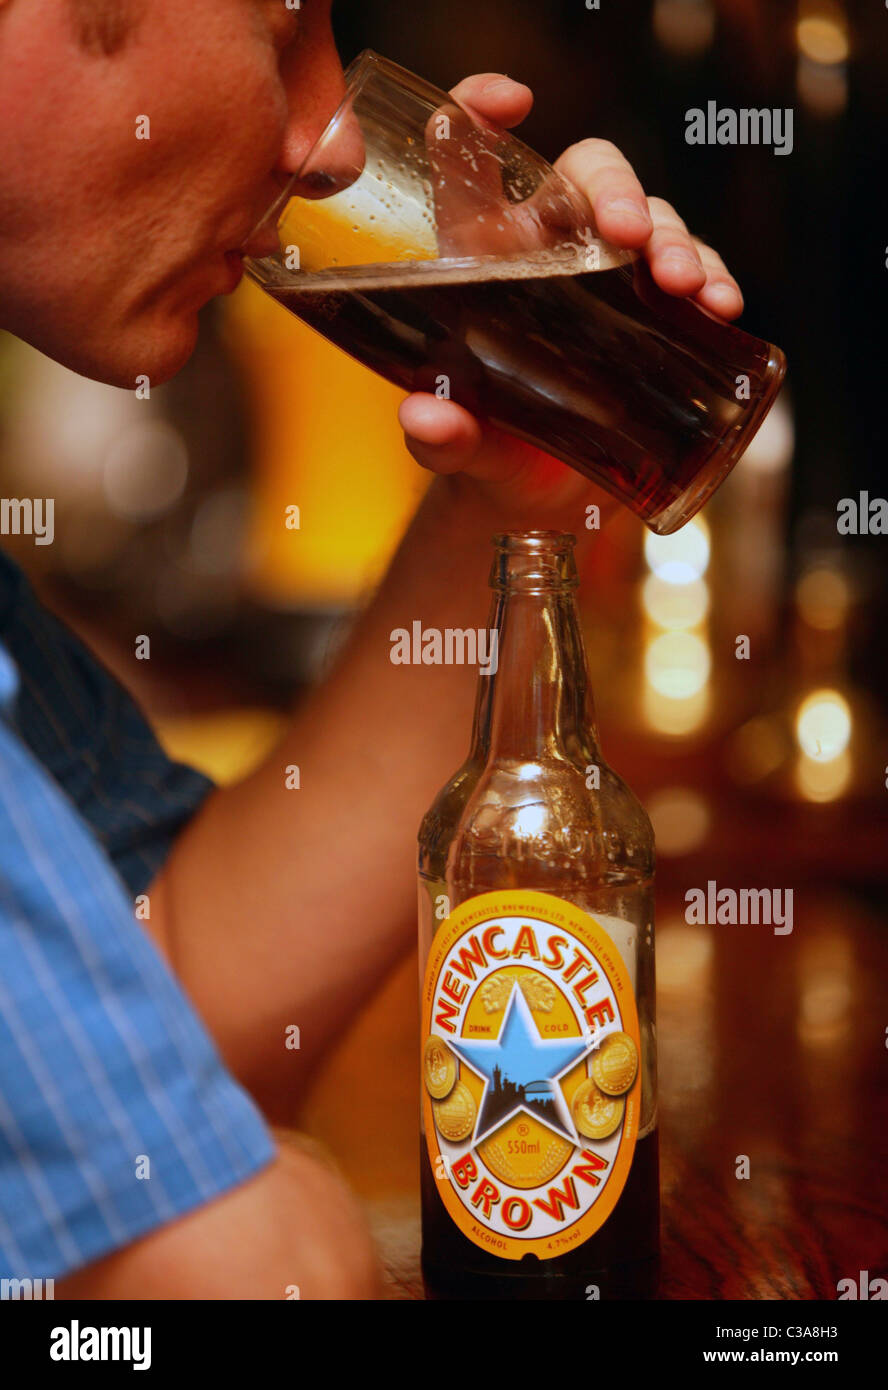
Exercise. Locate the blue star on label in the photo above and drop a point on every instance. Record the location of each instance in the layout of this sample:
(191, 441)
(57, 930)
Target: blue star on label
(521, 1070)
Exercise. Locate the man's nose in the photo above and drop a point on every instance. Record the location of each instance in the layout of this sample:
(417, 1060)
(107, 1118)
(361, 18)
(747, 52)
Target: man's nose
(325, 158)
(335, 161)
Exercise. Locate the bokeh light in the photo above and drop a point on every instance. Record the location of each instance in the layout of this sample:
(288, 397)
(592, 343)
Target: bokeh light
(823, 781)
(757, 749)
(681, 820)
(684, 954)
(677, 664)
(824, 48)
(822, 88)
(684, 28)
(823, 725)
(682, 557)
(675, 718)
(823, 596)
(825, 985)
(771, 449)
(146, 468)
(674, 606)
(822, 32)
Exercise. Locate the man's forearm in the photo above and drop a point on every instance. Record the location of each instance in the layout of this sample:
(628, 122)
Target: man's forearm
(284, 907)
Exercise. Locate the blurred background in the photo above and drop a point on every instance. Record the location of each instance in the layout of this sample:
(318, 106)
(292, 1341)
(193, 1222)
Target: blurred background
(770, 770)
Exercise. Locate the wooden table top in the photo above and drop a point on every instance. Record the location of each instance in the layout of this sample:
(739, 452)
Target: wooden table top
(772, 1047)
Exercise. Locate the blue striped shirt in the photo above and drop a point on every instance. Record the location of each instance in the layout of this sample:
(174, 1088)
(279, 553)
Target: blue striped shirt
(116, 1113)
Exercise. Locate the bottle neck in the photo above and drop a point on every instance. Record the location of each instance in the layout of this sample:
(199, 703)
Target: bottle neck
(537, 705)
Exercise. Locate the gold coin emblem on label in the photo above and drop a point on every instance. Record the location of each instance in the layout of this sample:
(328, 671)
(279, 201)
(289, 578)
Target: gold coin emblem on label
(525, 1154)
(615, 1064)
(595, 1114)
(455, 1116)
(439, 1068)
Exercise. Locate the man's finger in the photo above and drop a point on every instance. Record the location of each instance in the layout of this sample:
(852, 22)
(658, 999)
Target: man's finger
(495, 97)
(441, 435)
(671, 252)
(608, 181)
(445, 438)
(721, 294)
(467, 174)
(475, 216)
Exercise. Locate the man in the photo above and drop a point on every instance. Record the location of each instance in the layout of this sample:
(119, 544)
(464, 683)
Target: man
(133, 1163)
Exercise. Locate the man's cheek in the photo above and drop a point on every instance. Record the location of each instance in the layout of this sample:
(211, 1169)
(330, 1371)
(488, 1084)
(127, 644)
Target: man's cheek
(253, 121)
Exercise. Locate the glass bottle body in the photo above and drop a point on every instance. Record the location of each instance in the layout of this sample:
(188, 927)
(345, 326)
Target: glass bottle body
(536, 808)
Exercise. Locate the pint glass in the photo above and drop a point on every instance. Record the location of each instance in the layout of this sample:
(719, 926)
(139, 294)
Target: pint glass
(450, 258)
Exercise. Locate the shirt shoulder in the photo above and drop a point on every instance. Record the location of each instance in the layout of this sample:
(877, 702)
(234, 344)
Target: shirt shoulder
(90, 736)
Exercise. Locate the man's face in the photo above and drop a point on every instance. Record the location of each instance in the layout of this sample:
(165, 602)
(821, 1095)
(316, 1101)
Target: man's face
(109, 244)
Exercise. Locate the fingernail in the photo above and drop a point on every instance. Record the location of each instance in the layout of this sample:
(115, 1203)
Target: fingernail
(683, 259)
(723, 292)
(499, 84)
(629, 207)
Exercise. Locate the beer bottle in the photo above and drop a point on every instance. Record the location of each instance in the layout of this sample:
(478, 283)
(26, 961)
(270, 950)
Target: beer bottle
(539, 1145)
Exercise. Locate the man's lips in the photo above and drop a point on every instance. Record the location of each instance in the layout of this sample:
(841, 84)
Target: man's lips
(264, 241)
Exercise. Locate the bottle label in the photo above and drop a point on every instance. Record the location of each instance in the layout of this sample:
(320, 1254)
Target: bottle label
(531, 1081)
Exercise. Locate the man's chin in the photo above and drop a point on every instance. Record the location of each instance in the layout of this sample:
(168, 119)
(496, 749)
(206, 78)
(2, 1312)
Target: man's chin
(142, 355)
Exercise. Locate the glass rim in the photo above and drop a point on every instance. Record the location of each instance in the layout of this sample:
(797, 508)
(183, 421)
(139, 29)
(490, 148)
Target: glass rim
(552, 261)
(534, 539)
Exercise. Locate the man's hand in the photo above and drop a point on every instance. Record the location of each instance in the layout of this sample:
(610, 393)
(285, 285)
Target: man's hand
(446, 438)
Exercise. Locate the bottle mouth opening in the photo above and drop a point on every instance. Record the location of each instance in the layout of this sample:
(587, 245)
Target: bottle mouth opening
(534, 542)
(533, 561)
